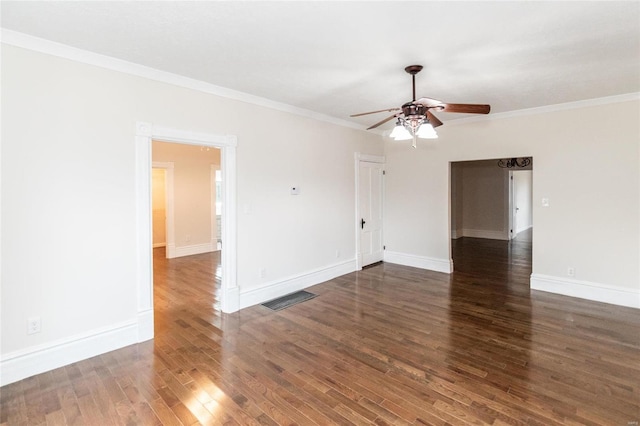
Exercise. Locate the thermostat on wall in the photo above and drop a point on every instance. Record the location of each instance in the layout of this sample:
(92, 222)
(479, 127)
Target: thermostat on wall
(295, 190)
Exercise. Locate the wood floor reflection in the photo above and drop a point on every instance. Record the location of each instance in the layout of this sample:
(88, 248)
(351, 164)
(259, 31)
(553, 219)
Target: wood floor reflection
(387, 345)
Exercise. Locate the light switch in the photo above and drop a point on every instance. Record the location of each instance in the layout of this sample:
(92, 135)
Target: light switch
(545, 202)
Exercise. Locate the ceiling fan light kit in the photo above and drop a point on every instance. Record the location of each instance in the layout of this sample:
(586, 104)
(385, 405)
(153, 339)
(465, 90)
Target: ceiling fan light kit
(414, 118)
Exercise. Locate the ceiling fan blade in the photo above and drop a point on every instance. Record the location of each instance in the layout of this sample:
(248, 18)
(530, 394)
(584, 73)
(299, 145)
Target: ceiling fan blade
(381, 122)
(374, 112)
(433, 120)
(467, 108)
(428, 102)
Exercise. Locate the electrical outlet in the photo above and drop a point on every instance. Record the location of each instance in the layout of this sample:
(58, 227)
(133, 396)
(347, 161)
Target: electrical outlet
(571, 272)
(262, 272)
(337, 254)
(33, 325)
(187, 238)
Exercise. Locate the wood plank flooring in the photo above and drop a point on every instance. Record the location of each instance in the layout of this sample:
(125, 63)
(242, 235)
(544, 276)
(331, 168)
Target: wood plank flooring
(390, 345)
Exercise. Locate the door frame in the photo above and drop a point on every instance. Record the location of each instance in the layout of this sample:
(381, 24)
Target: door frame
(214, 222)
(364, 158)
(513, 198)
(169, 206)
(511, 208)
(229, 290)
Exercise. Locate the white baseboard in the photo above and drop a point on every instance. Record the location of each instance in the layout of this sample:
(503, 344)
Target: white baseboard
(422, 262)
(455, 234)
(285, 286)
(28, 362)
(519, 230)
(145, 325)
(231, 300)
(194, 249)
(586, 290)
(484, 233)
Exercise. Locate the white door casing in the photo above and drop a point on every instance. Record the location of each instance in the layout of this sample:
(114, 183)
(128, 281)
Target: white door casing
(145, 133)
(369, 208)
(169, 207)
(159, 207)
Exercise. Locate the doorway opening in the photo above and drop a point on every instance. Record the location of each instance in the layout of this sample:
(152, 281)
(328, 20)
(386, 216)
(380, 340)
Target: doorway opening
(491, 210)
(229, 291)
(187, 204)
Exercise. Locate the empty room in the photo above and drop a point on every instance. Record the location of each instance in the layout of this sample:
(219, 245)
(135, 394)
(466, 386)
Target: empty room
(407, 213)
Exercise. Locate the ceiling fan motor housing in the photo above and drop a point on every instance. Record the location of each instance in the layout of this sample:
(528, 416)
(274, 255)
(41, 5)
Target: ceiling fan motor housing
(411, 110)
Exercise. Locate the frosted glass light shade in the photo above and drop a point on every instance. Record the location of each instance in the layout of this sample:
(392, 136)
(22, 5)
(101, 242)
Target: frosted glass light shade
(426, 131)
(399, 133)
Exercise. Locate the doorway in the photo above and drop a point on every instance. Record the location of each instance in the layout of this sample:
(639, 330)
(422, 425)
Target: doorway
(229, 290)
(190, 197)
(490, 206)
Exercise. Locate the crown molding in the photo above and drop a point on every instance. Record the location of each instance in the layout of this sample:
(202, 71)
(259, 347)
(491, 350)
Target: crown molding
(627, 97)
(26, 41)
(37, 44)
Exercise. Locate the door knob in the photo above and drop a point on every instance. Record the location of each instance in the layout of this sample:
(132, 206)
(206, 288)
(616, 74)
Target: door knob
(362, 222)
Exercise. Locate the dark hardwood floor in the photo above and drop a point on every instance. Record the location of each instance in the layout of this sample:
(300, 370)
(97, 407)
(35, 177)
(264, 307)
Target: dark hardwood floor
(387, 345)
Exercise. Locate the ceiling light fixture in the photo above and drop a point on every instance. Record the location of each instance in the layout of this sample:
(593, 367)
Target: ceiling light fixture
(413, 124)
(413, 119)
(416, 118)
(511, 163)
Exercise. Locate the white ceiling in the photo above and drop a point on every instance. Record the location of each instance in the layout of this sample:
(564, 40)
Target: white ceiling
(340, 58)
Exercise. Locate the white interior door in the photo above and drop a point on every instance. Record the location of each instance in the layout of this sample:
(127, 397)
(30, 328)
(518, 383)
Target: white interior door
(370, 209)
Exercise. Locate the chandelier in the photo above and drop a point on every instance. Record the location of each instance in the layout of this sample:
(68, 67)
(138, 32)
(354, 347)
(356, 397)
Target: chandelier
(511, 163)
(413, 123)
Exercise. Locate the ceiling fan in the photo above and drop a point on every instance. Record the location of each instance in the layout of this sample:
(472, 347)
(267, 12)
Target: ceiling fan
(416, 119)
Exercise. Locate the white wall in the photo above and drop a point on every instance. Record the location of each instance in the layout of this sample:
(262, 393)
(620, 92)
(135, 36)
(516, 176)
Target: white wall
(68, 194)
(587, 164)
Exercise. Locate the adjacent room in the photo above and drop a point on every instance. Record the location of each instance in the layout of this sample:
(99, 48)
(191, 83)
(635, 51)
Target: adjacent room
(447, 195)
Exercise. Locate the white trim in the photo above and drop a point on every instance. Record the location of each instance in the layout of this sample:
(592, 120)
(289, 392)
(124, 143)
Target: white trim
(195, 249)
(38, 359)
(170, 252)
(145, 325)
(510, 206)
(370, 158)
(285, 286)
(214, 222)
(358, 158)
(145, 134)
(143, 217)
(26, 41)
(485, 233)
(607, 100)
(422, 262)
(586, 290)
(522, 230)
